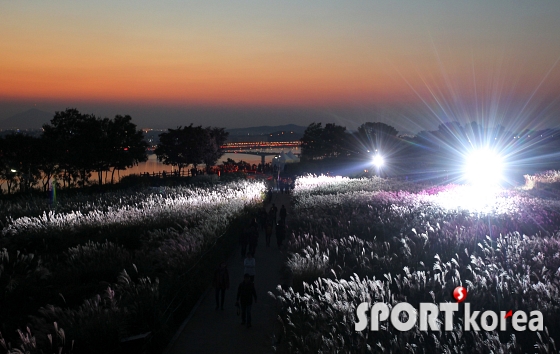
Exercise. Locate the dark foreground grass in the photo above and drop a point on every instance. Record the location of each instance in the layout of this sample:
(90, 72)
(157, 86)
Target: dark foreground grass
(85, 290)
(141, 297)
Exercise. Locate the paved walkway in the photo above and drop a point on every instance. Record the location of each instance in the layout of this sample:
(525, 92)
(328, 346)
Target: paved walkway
(216, 331)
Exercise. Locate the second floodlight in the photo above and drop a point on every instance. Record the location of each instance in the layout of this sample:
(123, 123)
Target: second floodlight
(378, 161)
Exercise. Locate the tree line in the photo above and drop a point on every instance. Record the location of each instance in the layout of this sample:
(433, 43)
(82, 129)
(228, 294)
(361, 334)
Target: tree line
(334, 141)
(191, 145)
(437, 149)
(74, 146)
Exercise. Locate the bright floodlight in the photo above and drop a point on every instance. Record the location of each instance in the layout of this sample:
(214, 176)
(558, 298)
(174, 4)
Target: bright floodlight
(378, 161)
(484, 167)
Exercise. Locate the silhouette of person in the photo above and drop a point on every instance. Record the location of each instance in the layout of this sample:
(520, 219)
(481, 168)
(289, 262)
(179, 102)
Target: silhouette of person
(221, 283)
(280, 233)
(283, 213)
(253, 236)
(244, 241)
(268, 231)
(273, 212)
(245, 294)
(249, 264)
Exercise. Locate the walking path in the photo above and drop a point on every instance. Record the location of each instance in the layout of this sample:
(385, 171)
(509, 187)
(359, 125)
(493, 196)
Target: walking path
(215, 331)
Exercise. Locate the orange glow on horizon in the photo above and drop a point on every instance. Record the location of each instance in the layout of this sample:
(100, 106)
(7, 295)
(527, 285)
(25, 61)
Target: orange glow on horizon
(164, 88)
(212, 74)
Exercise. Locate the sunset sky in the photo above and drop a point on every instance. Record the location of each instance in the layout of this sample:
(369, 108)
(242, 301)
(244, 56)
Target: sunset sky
(242, 63)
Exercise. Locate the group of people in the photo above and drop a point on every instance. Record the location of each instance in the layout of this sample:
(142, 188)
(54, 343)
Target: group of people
(245, 291)
(268, 222)
(248, 240)
(285, 184)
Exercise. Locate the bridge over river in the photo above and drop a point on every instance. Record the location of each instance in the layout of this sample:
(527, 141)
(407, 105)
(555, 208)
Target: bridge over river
(262, 148)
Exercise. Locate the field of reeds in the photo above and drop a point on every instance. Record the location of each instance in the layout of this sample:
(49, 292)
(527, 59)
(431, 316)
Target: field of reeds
(87, 274)
(374, 240)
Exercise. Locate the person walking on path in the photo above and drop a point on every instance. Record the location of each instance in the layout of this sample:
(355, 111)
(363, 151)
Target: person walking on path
(268, 231)
(221, 283)
(273, 212)
(262, 217)
(253, 236)
(280, 233)
(283, 213)
(269, 196)
(249, 264)
(244, 241)
(245, 294)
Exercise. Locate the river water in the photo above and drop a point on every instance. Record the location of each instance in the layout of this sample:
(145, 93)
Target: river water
(153, 165)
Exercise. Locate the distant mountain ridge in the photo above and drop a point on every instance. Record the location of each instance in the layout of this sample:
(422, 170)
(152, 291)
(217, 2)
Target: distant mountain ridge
(35, 119)
(30, 119)
(266, 129)
(266, 133)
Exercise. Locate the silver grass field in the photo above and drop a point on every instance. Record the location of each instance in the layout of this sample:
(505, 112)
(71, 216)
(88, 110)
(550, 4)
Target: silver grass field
(373, 240)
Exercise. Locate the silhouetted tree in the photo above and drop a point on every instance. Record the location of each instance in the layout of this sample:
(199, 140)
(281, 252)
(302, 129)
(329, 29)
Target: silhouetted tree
(312, 142)
(327, 142)
(126, 145)
(77, 144)
(6, 175)
(475, 133)
(74, 136)
(373, 136)
(181, 147)
(451, 132)
(7, 165)
(19, 160)
(376, 129)
(215, 137)
(47, 159)
(334, 140)
(103, 156)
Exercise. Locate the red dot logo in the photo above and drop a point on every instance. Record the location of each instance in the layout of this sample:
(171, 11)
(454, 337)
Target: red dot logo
(460, 294)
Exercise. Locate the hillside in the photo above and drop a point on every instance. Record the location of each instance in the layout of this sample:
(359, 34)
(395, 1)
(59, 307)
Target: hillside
(30, 119)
